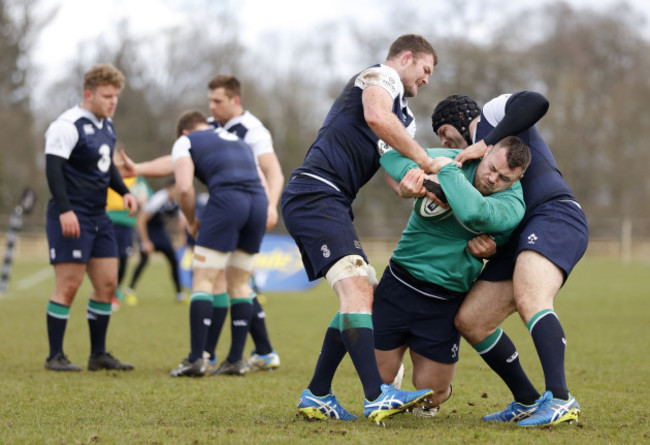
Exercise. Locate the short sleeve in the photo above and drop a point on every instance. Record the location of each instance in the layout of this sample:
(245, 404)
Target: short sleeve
(61, 138)
(495, 110)
(382, 76)
(181, 148)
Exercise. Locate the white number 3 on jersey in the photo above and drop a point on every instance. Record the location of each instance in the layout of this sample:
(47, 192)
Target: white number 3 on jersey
(104, 162)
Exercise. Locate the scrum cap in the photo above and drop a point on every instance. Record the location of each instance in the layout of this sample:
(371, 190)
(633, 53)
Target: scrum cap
(458, 111)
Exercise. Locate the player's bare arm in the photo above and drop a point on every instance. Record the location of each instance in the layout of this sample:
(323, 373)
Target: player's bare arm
(185, 193)
(377, 110)
(161, 166)
(274, 184)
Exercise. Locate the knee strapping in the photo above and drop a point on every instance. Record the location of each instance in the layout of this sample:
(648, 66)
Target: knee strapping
(205, 258)
(350, 266)
(242, 260)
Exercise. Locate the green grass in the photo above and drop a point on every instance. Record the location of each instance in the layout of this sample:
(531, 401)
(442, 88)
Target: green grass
(604, 309)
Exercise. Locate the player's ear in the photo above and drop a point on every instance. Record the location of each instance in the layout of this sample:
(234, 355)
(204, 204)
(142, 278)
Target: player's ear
(406, 58)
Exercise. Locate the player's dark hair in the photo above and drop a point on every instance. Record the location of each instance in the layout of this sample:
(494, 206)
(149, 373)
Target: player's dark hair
(518, 152)
(230, 84)
(104, 74)
(189, 121)
(417, 44)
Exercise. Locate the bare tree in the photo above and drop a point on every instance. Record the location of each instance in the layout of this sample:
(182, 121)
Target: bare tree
(19, 28)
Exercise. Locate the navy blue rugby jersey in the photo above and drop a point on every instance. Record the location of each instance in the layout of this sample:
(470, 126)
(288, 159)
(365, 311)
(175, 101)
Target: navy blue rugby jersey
(542, 180)
(346, 151)
(88, 145)
(220, 160)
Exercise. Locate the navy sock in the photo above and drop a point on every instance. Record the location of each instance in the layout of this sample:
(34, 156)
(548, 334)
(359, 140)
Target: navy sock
(220, 304)
(500, 354)
(57, 320)
(331, 355)
(98, 314)
(241, 311)
(358, 338)
(548, 336)
(121, 268)
(259, 334)
(200, 320)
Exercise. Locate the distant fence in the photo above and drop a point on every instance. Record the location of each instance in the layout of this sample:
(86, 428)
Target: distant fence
(33, 247)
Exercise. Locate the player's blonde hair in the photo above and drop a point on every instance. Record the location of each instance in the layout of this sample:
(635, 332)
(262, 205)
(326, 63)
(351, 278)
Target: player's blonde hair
(103, 74)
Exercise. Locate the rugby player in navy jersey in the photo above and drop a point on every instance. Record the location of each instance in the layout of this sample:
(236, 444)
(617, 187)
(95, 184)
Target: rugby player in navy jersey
(225, 101)
(79, 147)
(370, 115)
(228, 236)
(526, 274)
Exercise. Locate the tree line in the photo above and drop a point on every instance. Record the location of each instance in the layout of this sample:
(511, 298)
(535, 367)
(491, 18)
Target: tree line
(592, 66)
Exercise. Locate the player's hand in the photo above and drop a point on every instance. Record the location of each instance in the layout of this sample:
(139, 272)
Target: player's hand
(131, 203)
(441, 161)
(126, 166)
(427, 165)
(474, 151)
(432, 196)
(411, 184)
(271, 217)
(193, 228)
(69, 224)
(148, 247)
(482, 246)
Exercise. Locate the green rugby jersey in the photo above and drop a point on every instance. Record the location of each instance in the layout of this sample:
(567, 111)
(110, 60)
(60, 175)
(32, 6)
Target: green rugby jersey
(435, 250)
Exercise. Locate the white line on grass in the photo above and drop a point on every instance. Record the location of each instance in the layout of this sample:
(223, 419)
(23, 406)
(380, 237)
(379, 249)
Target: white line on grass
(35, 278)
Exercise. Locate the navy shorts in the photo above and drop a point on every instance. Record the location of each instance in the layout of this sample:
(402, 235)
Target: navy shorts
(97, 238)
(402, 315)
(233, 220)
(124, 239)
(319, 218)
(556, 229)
(159, 237)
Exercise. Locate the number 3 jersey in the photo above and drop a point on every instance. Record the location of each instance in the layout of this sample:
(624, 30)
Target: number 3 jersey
(88, 145)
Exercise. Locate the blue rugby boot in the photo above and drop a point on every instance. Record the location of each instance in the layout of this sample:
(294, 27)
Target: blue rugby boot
(326, 407)
(514, 412)
(552, 411)
(392, 401)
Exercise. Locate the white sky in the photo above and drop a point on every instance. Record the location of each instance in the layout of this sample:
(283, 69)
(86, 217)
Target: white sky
(80, 20)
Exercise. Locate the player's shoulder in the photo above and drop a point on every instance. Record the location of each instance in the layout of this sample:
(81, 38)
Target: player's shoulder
(495, 109)
(380, 75)
(249, 119)
(72, 115)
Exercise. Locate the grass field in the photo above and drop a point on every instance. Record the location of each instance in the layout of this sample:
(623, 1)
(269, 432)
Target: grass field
(604, 309)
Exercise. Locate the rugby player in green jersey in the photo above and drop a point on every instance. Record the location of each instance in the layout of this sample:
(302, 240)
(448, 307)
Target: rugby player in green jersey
(431, 270)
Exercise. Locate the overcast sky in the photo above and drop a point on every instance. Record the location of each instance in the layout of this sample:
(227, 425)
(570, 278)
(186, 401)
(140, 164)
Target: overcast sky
(87, 20)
